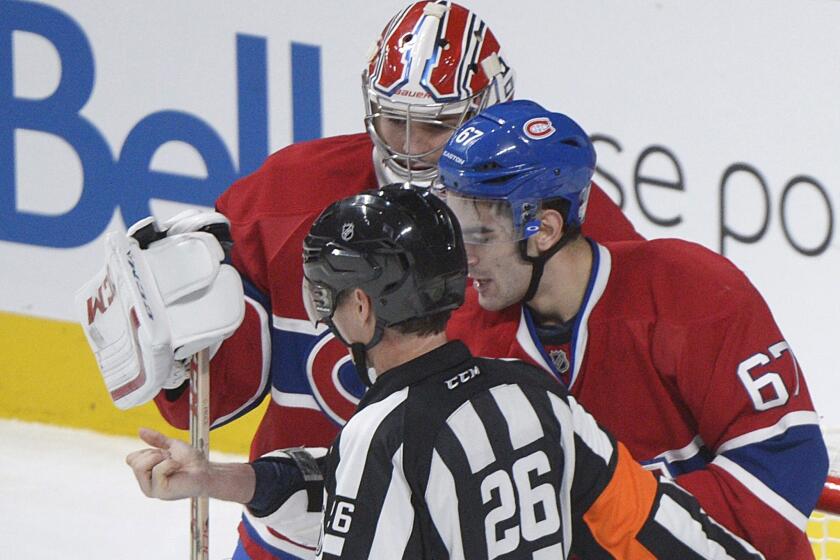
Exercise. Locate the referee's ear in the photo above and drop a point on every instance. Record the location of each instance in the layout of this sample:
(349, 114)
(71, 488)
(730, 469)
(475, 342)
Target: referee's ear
(364, 312)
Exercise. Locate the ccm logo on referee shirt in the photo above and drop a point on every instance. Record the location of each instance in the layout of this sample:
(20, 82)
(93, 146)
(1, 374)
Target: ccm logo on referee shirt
(462, 377)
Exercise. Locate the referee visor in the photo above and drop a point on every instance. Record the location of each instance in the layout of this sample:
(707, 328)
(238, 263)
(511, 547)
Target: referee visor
(319, 300)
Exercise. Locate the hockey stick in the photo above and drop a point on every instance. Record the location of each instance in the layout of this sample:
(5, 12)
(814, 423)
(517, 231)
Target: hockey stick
(199, 370)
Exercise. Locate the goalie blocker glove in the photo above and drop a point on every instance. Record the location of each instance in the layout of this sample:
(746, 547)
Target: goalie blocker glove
(149, 308)
(147, 231)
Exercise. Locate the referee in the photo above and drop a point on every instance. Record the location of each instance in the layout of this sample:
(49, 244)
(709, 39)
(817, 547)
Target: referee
(452, 456)
(448, 456)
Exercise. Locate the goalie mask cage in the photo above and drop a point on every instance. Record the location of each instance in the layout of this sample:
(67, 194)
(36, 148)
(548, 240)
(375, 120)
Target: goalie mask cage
(824, 524)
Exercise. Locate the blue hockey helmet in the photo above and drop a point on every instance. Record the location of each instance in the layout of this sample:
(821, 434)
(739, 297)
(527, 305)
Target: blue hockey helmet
(516, 155)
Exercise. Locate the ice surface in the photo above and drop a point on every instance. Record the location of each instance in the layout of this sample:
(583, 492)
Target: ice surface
(68, 494)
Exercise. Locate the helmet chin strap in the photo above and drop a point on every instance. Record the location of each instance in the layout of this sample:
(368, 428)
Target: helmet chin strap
(538, 263)
(359, 350)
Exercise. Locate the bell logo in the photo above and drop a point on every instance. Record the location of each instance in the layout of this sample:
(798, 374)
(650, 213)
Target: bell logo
(60, 115)
(538, 128)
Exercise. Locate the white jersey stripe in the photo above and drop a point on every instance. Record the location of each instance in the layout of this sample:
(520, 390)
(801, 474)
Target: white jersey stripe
(523, 424)
(799, 418)
(354, 442)
(687, 452)
(582, 334)
(396, 519)
(591, 434)
(442, 500)
(553, 552)
(471, 434)
(294, 400)
(762, 492)
(687, 530)
(567, 443)
(332, 544)
(711, 520)
(302, 326)
(526, 341)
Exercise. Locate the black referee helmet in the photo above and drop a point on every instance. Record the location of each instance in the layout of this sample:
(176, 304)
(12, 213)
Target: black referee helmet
(400, 244)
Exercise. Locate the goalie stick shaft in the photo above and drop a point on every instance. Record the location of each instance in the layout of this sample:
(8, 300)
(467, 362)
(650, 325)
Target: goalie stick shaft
(199, 371)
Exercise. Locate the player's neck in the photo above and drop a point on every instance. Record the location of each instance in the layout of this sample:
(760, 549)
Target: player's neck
(396, 349)
(563, 283)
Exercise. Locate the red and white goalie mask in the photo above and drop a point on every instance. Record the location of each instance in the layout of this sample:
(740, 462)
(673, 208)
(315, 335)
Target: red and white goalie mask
(435, 65)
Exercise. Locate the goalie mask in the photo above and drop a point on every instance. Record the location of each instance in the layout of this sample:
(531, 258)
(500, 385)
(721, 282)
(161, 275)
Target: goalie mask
(400, 244)
(435, 65)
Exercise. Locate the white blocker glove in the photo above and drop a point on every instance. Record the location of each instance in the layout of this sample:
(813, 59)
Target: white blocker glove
(147, 230)
(150, 308)
(289, 492)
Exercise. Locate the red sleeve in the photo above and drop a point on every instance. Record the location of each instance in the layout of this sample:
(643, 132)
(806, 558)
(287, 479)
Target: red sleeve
(752, 409)
(236, 379)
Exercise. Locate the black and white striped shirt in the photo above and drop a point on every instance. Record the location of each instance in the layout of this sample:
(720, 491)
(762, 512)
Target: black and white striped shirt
(451, 456)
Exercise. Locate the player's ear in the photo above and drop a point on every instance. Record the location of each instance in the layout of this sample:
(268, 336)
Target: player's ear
(551, 229)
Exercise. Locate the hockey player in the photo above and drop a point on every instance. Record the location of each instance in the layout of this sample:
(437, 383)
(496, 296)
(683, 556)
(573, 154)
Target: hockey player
(276, 353)
(447, 456)
(667, 344)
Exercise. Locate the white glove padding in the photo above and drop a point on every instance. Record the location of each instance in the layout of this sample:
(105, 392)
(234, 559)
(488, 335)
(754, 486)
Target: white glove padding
(289, 493)
(147, 230)
(194, 220)
(148, 308)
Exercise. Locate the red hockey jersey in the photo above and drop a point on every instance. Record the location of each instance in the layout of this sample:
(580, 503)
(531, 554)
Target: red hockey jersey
(678, 356)
(308, 374)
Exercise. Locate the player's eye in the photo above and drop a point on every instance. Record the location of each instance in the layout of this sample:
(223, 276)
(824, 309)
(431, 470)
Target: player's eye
(481, 236)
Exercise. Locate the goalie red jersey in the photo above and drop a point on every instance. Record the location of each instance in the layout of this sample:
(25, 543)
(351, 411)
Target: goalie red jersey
(678, 356)
(311, 381)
